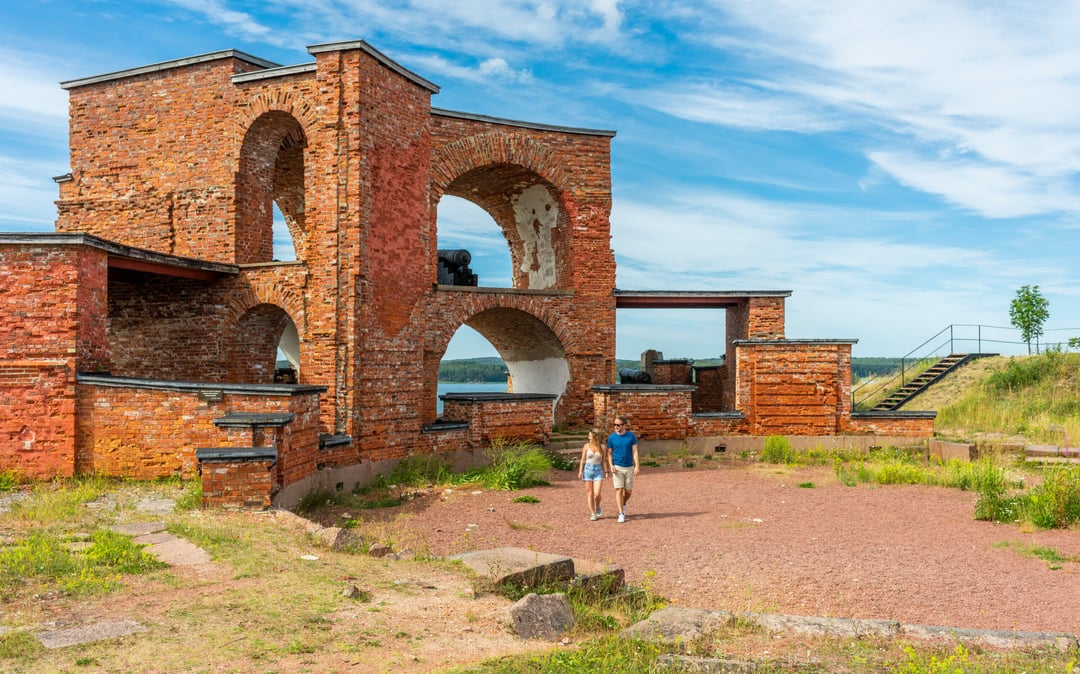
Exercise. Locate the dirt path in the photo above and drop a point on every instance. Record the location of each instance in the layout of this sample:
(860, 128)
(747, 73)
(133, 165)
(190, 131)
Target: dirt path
(748, 537)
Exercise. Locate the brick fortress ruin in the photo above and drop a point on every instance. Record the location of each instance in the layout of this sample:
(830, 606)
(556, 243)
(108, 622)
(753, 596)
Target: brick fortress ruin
(140, 339)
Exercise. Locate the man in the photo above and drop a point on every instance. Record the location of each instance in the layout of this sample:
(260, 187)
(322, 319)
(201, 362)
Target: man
(623, 460)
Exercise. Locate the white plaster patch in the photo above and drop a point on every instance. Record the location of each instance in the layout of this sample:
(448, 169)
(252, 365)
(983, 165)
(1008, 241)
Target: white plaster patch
(536, 214)
(549, 375)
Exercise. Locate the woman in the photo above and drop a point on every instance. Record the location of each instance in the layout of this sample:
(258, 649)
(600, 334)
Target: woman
(591, 470)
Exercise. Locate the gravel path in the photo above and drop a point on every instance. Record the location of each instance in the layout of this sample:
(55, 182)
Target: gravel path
(740, 537)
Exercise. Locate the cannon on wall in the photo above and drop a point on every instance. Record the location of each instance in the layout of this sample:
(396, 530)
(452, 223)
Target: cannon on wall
(454, 267)
(628, 375)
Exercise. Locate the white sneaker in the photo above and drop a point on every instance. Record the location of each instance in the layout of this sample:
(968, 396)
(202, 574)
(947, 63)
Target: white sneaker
(599, 513)
(622, 517)
(593, 517)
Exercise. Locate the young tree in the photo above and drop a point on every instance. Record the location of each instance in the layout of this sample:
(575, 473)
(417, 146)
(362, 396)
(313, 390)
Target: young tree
(1028, 311)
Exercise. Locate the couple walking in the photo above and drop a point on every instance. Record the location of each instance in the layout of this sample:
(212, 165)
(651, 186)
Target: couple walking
(618, 457)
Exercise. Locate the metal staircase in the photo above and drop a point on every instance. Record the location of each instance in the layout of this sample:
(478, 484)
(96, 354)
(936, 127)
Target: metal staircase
(924, 380)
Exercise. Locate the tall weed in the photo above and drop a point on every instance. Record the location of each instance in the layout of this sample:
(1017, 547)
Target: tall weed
(778, 449)
(1055, 504)
(514, 466)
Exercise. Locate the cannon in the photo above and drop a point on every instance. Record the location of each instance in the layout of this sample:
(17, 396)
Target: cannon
(628, 375)
(454, 267)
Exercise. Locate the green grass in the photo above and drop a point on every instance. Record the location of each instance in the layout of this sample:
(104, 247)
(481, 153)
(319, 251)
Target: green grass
(1052, 557)
(48, 560)
(1037, 397)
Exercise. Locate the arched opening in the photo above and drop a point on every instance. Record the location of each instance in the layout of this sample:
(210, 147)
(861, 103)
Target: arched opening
(532, 355)
(463, 225)
(263, 334)
(528, 212)
(270, 181)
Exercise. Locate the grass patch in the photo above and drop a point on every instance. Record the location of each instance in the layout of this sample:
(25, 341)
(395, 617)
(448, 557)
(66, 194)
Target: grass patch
(1052, 557)
(19, 645)
(1037, 397)
(47, 560)
(526, 498)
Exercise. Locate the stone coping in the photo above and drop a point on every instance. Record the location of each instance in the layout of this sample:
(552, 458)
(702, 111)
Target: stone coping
(444, 426)
(235, 454)
(736, 414)
(169, 65)
(644, 388)
(895, 414)
(328, 440)
(485, 397)
(791, 341)
(382, 58)
(518, 123)
(206, 388)
(117, 250)
(255, 419)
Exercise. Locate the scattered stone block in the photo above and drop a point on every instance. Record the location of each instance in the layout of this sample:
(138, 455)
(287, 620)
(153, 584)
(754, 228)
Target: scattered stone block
(88, 633)
(951, 451)
(833, 627)
(677, 625)
(138, 528)
(518, 566)
(542, 616)
(379, 550)
(598, 577)
(993, 638)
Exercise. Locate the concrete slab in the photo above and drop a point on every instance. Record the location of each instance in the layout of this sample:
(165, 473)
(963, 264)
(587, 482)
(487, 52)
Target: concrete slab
(88, 633)
(138, 528)
(178, 552)
(518, 566)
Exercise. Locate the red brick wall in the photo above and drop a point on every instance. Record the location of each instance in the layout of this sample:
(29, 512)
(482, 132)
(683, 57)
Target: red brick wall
(520, 420)
(672, 372)
(899, 425)
(711, 385)
(237, 484)
(151, 430)
(655, 412)
(52, 303)
(790, 387)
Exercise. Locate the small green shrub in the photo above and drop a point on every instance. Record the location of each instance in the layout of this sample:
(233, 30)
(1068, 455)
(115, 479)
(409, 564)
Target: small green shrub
(514, 466)
(778, 450)
(1055, 504)
(9, 479)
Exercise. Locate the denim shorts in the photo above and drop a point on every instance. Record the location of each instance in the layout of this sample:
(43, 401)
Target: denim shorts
(593, 472)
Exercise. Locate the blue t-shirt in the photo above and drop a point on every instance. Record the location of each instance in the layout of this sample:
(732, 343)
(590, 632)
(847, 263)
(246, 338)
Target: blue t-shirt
(622, 448)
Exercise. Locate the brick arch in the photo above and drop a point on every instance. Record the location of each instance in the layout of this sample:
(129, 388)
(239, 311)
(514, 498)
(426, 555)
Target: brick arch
(276, 101)
(533, 339)
(467, 154)
(258, 292)
(523, 186)
(274, 128)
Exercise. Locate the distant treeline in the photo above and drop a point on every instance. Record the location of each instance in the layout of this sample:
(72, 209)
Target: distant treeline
(473, 370)
(492, 369)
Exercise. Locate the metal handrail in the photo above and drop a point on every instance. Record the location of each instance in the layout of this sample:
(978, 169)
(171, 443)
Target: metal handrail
(911, 362)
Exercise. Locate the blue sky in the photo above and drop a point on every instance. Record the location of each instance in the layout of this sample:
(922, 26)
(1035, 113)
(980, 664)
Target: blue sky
(899, 166)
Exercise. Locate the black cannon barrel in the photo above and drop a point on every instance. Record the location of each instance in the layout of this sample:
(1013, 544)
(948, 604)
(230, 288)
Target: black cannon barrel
(628, 375)
(459, 257)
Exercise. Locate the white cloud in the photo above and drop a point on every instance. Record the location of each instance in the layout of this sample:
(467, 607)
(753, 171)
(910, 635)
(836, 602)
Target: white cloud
(40, 103)
(240, 24)
(994, 191)
(998, 84)
(494, 69)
